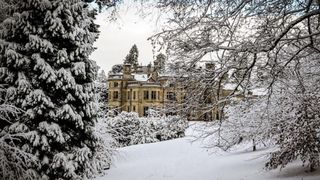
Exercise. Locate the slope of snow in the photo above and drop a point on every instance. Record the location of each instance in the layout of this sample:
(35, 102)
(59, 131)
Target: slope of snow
(182, 159)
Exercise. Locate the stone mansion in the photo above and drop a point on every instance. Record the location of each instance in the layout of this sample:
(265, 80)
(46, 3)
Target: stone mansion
(137, 89)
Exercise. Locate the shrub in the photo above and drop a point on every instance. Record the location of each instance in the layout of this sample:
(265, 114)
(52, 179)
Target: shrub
(130, 129)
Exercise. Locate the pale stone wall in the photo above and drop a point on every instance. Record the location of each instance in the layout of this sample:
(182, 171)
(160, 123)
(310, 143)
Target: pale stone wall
(131, 96)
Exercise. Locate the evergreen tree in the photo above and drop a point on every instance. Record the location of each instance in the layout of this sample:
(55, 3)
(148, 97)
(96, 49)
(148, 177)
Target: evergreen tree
(161, 58)
(102, 93)
(6, 7)
(132, 57)
(117, 68)
(102, 77)
(44, 60)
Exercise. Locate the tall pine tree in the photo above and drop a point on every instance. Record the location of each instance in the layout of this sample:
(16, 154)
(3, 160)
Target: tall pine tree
(132, 57)
(44, 61)
(102, 93)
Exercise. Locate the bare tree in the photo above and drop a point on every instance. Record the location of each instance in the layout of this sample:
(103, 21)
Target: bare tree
(255, 44)
(243, 38)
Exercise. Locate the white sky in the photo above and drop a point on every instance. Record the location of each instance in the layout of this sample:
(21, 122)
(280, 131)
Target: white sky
(116, 38)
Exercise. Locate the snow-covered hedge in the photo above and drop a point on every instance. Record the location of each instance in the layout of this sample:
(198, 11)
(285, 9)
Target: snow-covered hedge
(129, 129)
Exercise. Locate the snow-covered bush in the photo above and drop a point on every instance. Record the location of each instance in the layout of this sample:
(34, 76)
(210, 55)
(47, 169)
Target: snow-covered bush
(170, 127)
(130, 129)
(123, 127)
(144, 132)
(101, 92)
(246, 121)
(295, 130)
(107, 144)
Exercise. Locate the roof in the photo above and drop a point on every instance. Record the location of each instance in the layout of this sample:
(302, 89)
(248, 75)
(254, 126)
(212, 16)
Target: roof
(140, 77)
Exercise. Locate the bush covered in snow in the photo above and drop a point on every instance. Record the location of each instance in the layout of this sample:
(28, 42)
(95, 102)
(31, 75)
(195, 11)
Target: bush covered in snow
(129, 129)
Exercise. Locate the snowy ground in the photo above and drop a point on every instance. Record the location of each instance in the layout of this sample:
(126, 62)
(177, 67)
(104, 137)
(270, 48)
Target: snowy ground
(180, 159)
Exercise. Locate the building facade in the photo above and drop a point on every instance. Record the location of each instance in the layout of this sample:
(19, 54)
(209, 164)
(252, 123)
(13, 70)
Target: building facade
(138, 89)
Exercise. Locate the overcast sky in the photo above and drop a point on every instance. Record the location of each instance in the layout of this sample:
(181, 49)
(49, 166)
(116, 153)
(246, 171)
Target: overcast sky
(116, 38)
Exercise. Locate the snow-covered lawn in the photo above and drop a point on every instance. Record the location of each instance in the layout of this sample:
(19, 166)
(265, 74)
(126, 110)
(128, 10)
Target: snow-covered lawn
(181, 159)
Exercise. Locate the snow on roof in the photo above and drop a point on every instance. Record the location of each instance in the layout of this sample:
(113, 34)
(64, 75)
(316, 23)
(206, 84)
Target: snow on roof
(151, 85)
(140, 77)
(115, 76)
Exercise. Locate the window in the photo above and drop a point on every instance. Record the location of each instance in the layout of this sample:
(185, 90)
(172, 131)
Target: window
(128, 108)
(134, 108)
(145, 110)
(145, 94)
(128, 95)
(134, 95)
(115, 94)
(217, 116)
(153, 95)
(115, 84)
(171, 96)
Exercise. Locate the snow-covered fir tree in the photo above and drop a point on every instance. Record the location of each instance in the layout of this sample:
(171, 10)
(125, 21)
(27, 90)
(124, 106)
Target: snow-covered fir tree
(44, 53)
(102, 93)
(14, 162)
(161, 58)
(132, 57)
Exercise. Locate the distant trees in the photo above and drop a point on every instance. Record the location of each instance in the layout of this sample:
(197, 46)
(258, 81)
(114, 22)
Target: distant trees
(117, 68)
(257, 44)
(102, 93)
(161, 59)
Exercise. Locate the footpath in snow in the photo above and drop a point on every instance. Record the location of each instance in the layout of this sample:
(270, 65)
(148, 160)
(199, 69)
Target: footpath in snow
(181, 159)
